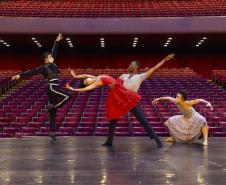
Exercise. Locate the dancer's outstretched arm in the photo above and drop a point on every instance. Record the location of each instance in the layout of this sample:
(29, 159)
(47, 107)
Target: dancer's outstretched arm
(56, 45)
(152, 70)
(155, 101)
(197, 101)
(38, 70)
(81, 76)
(88, 88)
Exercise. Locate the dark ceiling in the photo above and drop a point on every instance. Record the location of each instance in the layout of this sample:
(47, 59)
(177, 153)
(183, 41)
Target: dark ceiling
(116, 42)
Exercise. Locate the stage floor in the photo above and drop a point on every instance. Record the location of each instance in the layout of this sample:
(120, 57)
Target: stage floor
(132, 161)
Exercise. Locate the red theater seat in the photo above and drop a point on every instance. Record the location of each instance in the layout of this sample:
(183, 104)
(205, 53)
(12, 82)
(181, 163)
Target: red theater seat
(95, 8)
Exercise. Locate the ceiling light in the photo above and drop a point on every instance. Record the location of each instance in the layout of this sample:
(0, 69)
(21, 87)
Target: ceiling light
(33, 38)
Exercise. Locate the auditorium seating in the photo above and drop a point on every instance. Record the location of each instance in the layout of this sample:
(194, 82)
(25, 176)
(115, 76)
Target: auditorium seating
(24, 111)
(111, 8)
(5, 80)
(219, 76)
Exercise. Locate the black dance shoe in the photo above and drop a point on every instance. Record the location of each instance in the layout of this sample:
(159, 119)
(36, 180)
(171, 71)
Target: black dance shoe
(108, 144)
(159, 142)
(52, 135)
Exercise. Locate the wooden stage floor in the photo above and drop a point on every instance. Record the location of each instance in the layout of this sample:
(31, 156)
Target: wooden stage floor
(132, 161)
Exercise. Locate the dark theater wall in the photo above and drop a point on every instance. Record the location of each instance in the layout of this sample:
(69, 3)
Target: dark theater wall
(201, 63)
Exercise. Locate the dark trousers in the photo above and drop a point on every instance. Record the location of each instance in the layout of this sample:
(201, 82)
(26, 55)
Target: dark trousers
(57, 98)
(136, 111)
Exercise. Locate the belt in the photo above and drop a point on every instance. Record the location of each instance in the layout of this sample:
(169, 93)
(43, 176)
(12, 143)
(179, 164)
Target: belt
(54, 79)
(52, 84)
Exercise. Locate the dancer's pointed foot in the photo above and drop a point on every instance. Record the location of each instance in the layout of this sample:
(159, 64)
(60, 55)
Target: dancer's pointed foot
(108, 144)
(205, 143)
(159, 142)
(52, 135)
(170, 139)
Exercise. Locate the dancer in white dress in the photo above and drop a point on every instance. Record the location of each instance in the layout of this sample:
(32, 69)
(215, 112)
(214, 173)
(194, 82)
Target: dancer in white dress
(189, 126)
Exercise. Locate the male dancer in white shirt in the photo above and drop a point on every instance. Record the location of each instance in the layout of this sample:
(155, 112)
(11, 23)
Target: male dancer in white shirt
(132, 82)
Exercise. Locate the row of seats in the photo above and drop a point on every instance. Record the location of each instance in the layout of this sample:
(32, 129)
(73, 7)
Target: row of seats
(219, 76)
(24, 111)
(119, 8)
(5, 80)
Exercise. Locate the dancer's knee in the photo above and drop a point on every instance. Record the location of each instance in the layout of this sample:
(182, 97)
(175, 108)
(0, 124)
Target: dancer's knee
(52, 109)
(69, 97)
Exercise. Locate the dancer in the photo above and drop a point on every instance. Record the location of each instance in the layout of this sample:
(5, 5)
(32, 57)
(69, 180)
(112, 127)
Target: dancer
(119, 102)
(132, 82)
(188, 127)
(57, 97)
(122, 100)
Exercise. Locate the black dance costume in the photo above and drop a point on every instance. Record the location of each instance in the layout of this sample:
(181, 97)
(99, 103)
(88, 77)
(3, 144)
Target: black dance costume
(57, 97)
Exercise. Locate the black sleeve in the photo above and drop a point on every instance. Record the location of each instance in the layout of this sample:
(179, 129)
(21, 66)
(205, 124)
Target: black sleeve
(54, 49)
(36, 71)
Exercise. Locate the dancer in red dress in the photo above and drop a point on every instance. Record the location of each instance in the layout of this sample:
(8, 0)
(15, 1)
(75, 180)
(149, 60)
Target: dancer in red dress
(120, 101)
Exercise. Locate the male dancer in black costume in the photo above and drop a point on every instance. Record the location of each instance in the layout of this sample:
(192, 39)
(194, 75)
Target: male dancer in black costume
(50, 71)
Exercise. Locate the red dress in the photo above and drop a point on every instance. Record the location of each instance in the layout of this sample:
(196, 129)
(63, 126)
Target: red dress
(120, 100)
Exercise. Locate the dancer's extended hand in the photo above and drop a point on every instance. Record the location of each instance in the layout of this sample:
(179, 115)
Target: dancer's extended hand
(169, 57)
(209, 106)
(111, 86)
(59, 37)
(155, 101)
(73, 73)
(67, 86)
(16, 77)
